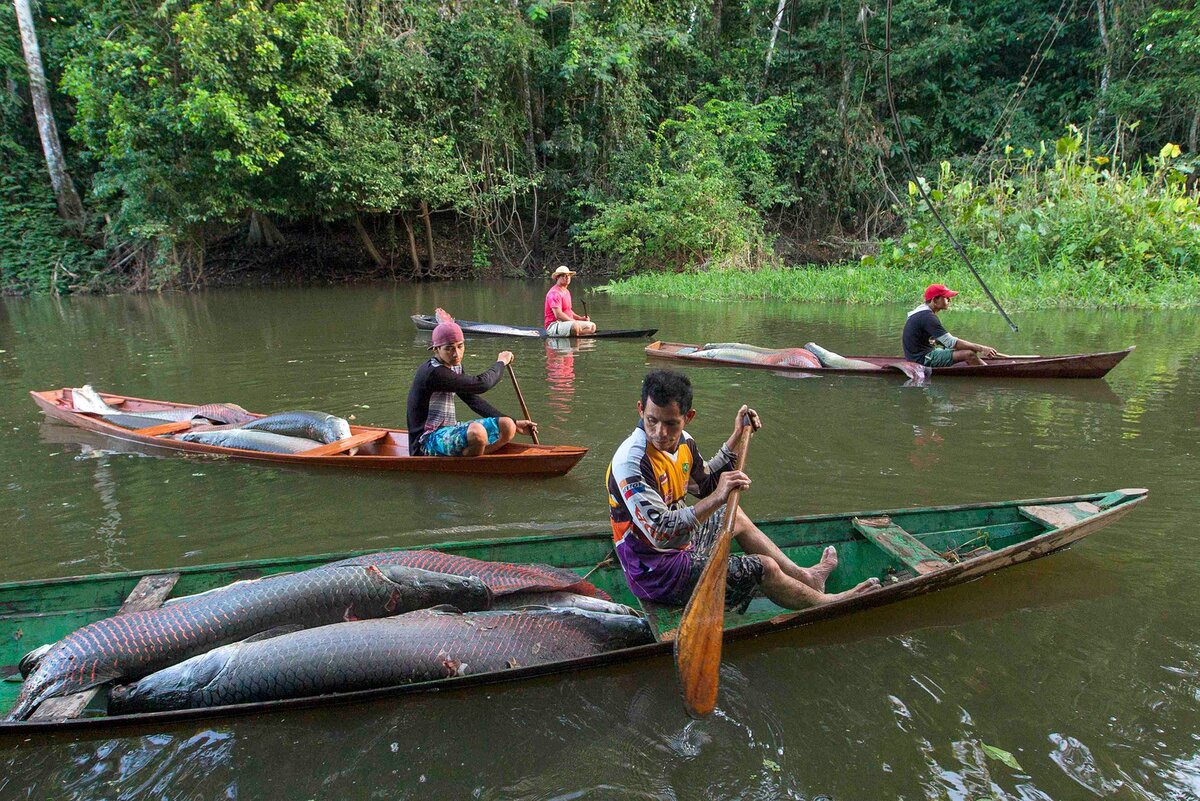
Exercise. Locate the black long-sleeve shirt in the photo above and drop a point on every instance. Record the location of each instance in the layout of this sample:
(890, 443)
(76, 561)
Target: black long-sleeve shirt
(433, 376)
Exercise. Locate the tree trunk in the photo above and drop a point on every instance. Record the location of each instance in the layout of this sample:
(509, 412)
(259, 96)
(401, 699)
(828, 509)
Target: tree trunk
(526, 101)
(412, 245)
(69, 206)
(775, 33)
(718, 9)
(1194, 132)
(428, 233)
(1106, 70)
(376, 256)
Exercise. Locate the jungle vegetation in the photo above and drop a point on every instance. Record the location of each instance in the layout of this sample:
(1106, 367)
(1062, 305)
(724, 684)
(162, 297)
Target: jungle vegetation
(640, 136)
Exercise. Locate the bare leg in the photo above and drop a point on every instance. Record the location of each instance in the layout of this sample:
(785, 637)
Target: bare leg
(785, 591)
(508, 430)
(968, 356)
(583, 327)
(752, 540)
(476, 440)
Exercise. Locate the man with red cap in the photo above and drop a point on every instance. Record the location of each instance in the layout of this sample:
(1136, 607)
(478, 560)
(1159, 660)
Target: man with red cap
(926, 340)
(433, 428)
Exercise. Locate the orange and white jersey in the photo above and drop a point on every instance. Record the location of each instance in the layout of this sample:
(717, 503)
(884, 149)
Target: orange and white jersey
(647, 489)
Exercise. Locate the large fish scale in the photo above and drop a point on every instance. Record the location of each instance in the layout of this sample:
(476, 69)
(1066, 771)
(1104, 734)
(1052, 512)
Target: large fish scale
(502, 578)
(419, 646)
(136, 643)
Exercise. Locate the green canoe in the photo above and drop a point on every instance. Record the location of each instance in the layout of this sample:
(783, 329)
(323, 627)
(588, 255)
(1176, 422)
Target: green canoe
(913, 551)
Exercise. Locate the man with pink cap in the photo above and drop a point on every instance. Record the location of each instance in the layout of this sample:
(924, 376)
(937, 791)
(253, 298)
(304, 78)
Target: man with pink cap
(926, 340)
(433, 427)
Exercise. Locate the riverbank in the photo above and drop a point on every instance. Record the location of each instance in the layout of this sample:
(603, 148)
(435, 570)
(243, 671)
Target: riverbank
(869, 284)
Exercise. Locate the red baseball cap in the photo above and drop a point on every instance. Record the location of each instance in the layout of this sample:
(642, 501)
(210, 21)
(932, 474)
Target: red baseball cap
(446, 333)
(938, 291)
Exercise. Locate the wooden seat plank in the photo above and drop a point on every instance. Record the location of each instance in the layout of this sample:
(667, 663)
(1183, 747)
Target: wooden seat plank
(1060, 515)
(913, 553)
(164, 428)
(342, 445)
(149, 593)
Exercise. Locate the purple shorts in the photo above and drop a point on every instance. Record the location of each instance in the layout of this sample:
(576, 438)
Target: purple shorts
(668, 577)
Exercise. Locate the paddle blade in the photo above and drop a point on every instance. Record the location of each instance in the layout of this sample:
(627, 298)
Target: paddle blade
(701, 629)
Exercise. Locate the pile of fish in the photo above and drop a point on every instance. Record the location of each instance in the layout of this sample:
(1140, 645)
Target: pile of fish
(87, 400)
(371, 621)
(811, 355)
(285, 432)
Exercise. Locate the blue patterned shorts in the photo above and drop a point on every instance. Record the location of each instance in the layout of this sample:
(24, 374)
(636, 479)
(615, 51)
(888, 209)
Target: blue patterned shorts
(452, 440)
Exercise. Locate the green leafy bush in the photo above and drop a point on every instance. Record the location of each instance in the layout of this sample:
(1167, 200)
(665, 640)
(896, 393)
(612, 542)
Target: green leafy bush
(1099, 231)
(698, 199)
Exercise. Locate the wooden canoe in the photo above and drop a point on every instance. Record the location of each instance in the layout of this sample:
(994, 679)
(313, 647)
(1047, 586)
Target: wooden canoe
(378, 448)
(427, 322)
(913, 551)
(1084, 365)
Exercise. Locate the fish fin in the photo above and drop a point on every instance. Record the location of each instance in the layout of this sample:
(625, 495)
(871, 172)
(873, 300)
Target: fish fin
(442, 316)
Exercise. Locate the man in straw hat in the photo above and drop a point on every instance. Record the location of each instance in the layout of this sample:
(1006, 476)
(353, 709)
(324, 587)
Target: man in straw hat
(433, 428)
(560, 321)
(926, 340)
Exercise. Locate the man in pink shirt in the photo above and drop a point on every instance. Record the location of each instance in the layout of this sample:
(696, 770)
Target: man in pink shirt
(560, 321)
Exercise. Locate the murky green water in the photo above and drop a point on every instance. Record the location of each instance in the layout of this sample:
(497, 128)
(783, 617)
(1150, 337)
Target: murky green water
(1085, 665)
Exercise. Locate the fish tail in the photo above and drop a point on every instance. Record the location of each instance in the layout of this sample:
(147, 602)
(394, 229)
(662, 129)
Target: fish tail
(442, 316)
(86, 399)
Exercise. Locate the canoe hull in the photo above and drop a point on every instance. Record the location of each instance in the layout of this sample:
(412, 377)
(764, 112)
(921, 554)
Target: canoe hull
(1087, 365)
(390, 452)
(426, 322)
(1006, 522)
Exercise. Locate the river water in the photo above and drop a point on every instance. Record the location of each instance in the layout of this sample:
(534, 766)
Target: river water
(1084, 666)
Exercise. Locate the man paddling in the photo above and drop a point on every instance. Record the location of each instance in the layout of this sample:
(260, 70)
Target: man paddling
(560, 320)
(662, 543)
(433, 428)
(926, 340)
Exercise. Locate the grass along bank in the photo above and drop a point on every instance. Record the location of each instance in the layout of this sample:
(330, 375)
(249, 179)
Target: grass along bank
(1086, 287)
(1052, 226)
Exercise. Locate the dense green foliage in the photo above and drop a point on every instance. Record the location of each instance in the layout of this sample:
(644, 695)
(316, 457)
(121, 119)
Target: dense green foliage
(652, 134)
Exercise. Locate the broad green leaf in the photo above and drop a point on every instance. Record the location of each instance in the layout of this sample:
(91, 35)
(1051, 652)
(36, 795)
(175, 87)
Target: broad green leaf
(1001, 755)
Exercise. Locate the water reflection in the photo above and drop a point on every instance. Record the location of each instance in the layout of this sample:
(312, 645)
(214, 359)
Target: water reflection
(1084, 666)
(560, 372)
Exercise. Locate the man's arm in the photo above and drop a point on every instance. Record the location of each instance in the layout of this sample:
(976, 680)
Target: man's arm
(982, 350)
(443, 379)
(481, 407)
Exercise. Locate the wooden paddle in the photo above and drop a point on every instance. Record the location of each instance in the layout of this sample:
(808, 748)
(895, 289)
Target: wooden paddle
(1019, 356)
(585, 312)
(698, 643)
(521, 400)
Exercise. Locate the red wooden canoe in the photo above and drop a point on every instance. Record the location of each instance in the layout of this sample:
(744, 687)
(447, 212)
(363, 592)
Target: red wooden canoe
(378, 448)
(1085, 365)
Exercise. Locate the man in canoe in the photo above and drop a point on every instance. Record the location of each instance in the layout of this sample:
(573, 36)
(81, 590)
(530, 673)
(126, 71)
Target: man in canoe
(560, 321)
(926, 340)
(662, 543)
(433, 428)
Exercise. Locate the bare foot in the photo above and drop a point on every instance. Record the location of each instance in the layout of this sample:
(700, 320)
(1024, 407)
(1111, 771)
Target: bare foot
(817, 575)
(866, 586)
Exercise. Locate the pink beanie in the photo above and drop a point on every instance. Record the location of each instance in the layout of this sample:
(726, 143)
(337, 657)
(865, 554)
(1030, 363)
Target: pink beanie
(446, 333)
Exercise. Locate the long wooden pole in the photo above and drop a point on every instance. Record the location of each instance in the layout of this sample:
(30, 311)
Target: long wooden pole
(698, 644)
(521, 400)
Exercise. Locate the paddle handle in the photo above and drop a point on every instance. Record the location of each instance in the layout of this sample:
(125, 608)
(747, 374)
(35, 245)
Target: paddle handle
(1019, 356)
(585, 311)
(702, 627)
(521, 400)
